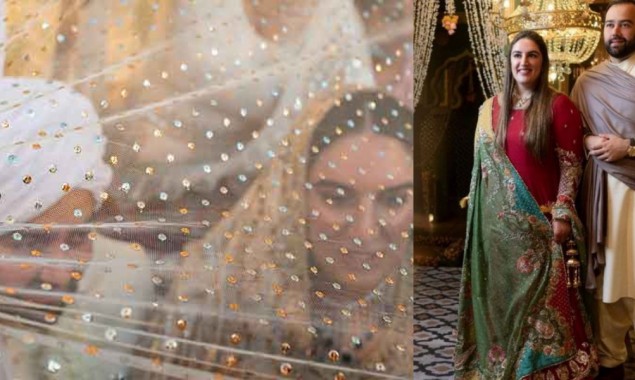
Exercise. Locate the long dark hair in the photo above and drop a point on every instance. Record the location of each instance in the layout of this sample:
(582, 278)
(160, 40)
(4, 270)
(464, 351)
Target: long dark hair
(354, 113)
(538, 115)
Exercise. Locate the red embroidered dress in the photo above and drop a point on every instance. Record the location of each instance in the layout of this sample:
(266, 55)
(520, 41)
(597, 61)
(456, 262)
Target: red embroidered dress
(555, 180)
(517, 317)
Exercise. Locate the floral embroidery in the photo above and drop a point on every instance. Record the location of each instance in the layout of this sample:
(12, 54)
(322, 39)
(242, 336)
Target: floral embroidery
(529, 262)
(545, 330)
(563, 373)
(570, 175)
(496, 355)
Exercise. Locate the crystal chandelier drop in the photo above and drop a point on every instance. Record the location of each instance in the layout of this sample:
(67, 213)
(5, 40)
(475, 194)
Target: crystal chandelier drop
(487, 38)
(425, 21)
(570, 29)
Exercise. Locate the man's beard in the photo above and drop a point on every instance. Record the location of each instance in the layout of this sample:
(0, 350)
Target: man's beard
(624, 51)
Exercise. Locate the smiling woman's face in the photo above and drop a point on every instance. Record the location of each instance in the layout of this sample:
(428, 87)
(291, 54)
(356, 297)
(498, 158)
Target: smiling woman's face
(526, 63)
(360, 211)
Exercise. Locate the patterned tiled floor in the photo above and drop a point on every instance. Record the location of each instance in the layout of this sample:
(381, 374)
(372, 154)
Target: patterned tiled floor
(436, 301)
(435, 313)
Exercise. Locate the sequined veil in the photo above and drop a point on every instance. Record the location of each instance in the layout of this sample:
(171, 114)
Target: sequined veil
(155, 203)
(259, 262)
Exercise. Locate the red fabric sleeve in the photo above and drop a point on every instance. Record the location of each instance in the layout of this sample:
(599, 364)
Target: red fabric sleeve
(568, 135)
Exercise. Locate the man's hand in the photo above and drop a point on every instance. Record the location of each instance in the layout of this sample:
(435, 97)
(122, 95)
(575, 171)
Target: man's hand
(607, 147)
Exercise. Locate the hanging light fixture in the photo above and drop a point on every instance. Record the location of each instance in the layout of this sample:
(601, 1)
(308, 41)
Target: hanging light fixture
(425, 22)
(487, 38)
(570, 29)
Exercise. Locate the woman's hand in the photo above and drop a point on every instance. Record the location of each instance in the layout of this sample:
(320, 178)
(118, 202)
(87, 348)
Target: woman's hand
(593, 142)
(561, 231)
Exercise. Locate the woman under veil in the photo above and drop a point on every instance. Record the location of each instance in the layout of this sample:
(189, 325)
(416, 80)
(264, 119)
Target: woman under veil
(206, 255)
(279, 292)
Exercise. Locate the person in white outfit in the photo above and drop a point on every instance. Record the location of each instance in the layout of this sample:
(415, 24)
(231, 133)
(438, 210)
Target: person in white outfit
(604, 97)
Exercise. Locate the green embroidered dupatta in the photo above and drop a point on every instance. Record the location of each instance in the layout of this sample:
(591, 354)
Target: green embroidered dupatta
(517, 319)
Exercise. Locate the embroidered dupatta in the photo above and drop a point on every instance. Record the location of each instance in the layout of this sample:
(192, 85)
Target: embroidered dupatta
(517, 318)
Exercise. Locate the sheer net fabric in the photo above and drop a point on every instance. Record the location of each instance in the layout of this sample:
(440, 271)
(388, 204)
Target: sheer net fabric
(196, 188)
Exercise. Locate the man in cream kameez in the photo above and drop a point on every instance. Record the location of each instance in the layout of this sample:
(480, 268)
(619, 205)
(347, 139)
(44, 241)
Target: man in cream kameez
(604, 95)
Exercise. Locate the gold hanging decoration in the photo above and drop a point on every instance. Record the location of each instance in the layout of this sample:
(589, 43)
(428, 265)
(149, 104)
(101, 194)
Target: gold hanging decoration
(570, 29)
(572, 265)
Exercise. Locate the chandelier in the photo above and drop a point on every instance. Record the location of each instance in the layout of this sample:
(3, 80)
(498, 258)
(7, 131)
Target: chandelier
(570, 29)
(425, 22)
(487, 38)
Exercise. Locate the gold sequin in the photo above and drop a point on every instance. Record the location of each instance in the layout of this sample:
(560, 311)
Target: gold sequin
(334, 355)
(27, 179)
(92, 350)
(66, 187)
(285, 348)
(76, 275)
(234, 338)
(286, 369)
(181, 324)
(231, 361)
(69, 300)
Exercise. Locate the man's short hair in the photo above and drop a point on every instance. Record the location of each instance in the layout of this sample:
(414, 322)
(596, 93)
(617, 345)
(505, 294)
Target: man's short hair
(618, 2)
